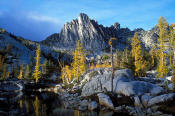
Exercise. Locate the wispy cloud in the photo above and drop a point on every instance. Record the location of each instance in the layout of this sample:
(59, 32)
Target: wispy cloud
(29, 25)
(42, 18)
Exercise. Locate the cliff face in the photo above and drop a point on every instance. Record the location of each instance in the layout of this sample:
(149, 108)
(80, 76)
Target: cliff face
(95, 36)
(85, 30)
(92, 35)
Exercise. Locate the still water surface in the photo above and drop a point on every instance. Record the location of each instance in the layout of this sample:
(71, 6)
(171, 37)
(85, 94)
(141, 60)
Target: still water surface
(43, 104)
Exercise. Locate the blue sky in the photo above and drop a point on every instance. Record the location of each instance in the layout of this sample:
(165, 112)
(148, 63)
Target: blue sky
(37, 19)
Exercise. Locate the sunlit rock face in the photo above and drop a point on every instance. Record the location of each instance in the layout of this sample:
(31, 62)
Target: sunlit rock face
(124, 83)
(93, 35)
(85, 30)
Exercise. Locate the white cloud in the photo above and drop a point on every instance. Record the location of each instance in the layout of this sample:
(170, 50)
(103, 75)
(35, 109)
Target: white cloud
(43, 18)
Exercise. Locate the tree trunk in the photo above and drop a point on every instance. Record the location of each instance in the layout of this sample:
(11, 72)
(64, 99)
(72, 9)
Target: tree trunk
(112, 69)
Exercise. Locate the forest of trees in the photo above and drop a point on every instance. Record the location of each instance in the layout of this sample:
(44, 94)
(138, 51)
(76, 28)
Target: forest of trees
(160, 57)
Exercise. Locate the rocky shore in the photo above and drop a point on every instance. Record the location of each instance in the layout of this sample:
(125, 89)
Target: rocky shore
(143, 96)
(136, 96)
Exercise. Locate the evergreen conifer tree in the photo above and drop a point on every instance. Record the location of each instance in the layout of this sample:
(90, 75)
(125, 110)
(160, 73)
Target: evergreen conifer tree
(20, 76)
(163, 36)
(37, 71)
(138, 56)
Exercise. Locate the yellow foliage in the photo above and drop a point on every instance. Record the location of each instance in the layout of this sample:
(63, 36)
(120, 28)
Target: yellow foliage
(1, 62)
(172, 46)
(153, 55)
(36, 106)
(163, 35)
(20, 103)
(37, 71)
(20, 76)
(104, 65)
(78, 65)
(79, 61)
(66, 74)
(140, 65)
(78, 113)
(4, 72)
(92, 66)
(162, 68)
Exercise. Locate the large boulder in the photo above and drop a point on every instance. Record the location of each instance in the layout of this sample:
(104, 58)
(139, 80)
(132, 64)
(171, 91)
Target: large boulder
(92, 105)
(137, 88)
(105, 100)
(123, 83)
(11, 86)
(145, 99)
(98, 80)
(165, 98)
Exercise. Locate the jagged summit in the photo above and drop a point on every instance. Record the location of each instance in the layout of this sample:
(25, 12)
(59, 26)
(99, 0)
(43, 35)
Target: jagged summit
(94, 36)
(83, 18)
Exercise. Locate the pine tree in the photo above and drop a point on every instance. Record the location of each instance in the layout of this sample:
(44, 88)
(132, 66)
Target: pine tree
(45, 68)
(37, 72)
(4, 73)
(152, 52)
(28, 72)
(112, 62)
(126, 54)
(137, 55)
(8, 50)
(163, 35)
(117, 59)
(172, 45)
(78, 65)
(66, 74)
(36, 106)
(1, 62)
(20, 76)
(79, 61)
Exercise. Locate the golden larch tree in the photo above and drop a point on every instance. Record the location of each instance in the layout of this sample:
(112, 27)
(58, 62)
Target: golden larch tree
(163, 36)
(37, 71)
(172, 45)
(20, 76)
(138, 56)
(1, 62)
(78, 66)
(112, 61)
(66, 74)
(36, 106)
(79, 61)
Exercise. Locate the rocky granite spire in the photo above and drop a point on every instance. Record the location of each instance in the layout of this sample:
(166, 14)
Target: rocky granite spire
(95, 36)
(92, 35)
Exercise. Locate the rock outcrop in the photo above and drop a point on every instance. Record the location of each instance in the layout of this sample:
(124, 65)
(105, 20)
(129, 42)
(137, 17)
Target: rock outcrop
(123, 83)
(11, 86)
(95, 36)
(161, 99)
(144, 96)
(105, 100)
(91, 34)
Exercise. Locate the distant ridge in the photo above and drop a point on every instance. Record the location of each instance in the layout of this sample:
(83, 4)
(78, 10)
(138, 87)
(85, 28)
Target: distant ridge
(95, 37)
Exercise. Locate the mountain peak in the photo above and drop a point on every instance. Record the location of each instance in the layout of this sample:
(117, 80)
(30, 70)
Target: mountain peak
(83, 18)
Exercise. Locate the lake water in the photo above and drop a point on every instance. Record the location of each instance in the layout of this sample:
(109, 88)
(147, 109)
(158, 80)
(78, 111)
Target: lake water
(41, 104)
